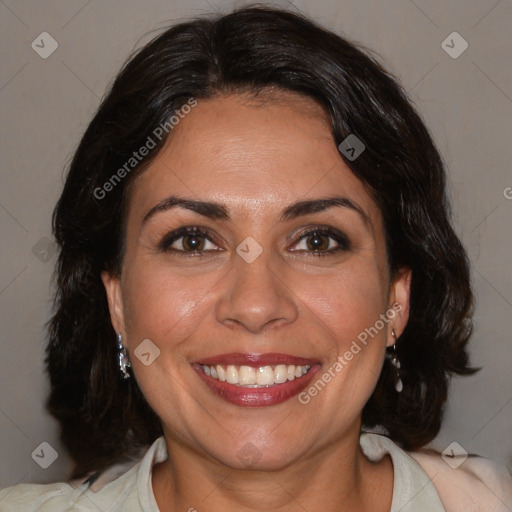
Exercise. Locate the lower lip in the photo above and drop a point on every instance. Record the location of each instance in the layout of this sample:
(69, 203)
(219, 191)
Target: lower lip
(257, 397)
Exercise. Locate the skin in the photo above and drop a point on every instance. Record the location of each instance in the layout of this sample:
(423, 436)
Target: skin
(256, 157)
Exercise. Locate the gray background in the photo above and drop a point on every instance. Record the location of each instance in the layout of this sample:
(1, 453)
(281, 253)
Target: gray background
(46, 104)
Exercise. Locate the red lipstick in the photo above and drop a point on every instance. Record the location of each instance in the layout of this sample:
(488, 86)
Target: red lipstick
(257, 396)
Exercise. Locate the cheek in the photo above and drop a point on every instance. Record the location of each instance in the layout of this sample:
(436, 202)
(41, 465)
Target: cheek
(167, 309)
(346, 305)
(350, 304)
(348, 301)
(164, 306)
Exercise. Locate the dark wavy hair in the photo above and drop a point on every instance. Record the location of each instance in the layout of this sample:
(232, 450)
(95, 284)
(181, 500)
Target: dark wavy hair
(103, 419)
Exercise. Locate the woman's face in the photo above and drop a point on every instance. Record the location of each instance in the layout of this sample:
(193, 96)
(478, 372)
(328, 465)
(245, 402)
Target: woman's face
(252, 290)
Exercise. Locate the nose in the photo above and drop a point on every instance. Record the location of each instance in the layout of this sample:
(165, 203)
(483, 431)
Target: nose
(256, 296)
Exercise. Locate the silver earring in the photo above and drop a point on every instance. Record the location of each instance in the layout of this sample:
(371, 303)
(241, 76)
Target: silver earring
(124, 363)
(396, 363)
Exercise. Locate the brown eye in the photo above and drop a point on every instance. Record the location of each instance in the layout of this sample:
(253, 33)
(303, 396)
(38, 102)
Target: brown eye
(317, 241)
(193, 241)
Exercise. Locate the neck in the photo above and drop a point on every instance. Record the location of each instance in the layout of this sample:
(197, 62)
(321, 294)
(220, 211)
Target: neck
(338, 477)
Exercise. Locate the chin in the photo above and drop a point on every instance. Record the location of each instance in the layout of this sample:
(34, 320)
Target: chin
(263, 458)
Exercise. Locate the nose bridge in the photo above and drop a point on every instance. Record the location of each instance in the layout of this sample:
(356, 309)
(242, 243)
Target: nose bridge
(255, 293)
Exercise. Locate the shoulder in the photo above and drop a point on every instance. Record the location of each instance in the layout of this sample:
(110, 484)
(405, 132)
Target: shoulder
(124, 487)
(462, 484)
(32, 497)
(472, 484)
(79, 495)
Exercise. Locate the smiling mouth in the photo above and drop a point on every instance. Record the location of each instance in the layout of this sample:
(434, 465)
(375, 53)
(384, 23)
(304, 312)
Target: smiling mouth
(255, 377)
(256, 380)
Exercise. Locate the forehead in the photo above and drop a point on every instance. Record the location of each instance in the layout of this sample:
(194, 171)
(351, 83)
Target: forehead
(253, 154)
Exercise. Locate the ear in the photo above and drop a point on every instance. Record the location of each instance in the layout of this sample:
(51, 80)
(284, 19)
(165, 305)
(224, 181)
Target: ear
(115, 300)
(399, 296)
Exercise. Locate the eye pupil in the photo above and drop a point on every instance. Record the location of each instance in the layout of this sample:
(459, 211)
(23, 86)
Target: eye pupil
(317, 242)
(194, 242)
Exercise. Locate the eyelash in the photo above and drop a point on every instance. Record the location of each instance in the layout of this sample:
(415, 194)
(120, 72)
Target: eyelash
(171, 237)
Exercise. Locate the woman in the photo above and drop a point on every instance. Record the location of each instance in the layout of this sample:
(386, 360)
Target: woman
(256, 268)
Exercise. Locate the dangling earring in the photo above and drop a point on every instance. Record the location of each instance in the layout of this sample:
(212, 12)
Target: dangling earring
(124, 363)
(396, 363)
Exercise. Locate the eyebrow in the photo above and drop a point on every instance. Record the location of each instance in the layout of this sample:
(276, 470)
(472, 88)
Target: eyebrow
(218, 211)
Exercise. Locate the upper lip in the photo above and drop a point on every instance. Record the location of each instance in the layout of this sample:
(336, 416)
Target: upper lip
(251, 359)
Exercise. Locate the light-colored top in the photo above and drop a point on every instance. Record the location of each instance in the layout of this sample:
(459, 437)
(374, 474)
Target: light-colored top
(423, 482)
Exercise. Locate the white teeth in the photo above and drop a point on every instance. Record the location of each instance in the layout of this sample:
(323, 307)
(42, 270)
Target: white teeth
(246, 375)
(254, 377)
(231, 375)
(221, 373)
(280, 374)
(265, 376)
